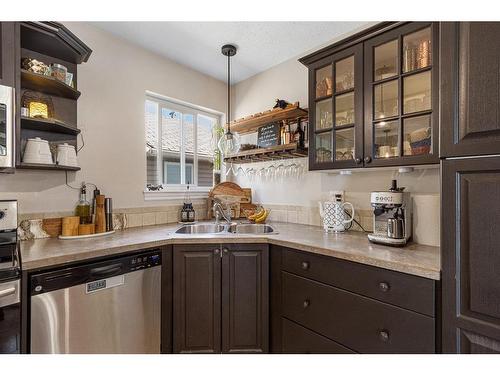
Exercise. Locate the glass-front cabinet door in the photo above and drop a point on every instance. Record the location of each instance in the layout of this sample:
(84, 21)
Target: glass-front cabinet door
(336, 110)
(401, 96)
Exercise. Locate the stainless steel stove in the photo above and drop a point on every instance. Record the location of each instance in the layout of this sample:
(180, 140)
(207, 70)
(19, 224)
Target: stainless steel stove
(10, 273)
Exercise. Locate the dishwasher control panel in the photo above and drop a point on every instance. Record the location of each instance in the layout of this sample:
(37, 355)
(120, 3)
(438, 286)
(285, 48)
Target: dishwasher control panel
(94, 274)
(145, 261)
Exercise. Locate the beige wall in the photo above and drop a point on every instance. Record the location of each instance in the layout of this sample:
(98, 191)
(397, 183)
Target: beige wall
(111, 116)
(287, 81)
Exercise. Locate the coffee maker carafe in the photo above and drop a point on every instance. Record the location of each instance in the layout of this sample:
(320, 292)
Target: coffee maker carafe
(391, 216)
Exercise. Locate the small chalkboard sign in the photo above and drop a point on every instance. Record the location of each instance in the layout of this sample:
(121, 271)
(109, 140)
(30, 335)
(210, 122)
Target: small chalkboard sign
(269, 135)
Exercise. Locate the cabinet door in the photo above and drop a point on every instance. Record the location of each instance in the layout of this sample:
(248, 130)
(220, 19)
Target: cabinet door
(245, 298)
(197, 299)
(336, 113)
(7, 54)
(470, 87)
(470, 255)
(401, 96)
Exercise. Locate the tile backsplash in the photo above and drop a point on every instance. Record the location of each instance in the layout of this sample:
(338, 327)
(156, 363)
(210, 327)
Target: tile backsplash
(425, 218)
(33, 226)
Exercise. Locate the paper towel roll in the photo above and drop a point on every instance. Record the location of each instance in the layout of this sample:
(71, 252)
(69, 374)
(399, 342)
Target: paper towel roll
(426, 219)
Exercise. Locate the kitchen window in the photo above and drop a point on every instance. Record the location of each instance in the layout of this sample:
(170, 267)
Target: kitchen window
(181, 144)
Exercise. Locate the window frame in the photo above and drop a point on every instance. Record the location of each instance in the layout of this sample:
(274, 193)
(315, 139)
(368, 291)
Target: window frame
(176, 191)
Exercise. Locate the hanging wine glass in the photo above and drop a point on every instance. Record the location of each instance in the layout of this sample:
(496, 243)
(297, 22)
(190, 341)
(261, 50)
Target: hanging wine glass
(229, 169)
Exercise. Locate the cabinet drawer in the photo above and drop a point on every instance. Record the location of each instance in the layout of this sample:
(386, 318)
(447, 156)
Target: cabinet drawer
(360, 323)
(299, 340)
(408, 291)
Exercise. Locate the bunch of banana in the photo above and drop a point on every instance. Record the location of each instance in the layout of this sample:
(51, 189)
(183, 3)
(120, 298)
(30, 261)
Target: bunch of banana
(262, 218)
(257, 213)
(260, 215)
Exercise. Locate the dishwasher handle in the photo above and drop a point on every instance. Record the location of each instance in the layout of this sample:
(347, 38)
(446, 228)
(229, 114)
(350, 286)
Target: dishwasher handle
(106, 271)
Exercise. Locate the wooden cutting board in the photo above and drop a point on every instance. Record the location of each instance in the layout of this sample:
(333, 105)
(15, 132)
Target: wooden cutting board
(227, 188)
(230, 188)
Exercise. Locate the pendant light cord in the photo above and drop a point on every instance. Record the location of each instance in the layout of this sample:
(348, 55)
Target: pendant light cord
(229, 93)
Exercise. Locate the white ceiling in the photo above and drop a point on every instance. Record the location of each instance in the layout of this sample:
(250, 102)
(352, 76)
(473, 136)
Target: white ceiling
(261, 45)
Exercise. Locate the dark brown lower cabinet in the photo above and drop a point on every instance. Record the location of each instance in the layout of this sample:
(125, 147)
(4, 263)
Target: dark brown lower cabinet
(300, 340)
(321, 304)
(220, 298)
(245, 299)
(471, 255)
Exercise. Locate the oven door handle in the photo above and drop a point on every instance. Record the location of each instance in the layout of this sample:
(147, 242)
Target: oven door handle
(7, 292)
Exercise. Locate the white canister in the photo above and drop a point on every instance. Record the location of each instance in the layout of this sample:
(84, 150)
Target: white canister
(66, 155)
(37, 151)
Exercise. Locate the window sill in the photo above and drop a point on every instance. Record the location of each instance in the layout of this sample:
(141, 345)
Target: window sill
(176, 193)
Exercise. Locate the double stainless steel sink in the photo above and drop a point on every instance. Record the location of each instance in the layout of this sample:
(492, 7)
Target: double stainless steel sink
(234, 228)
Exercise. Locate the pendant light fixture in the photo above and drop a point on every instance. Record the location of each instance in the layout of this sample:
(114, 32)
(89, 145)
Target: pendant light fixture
(229, 143)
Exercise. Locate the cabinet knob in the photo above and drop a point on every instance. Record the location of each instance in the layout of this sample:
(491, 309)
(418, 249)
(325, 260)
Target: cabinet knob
(384, 335)
(305, 265)
(368, 159)
(358, 160)
(306, 303)
(384, 287)
(216, 251)
(225, 251)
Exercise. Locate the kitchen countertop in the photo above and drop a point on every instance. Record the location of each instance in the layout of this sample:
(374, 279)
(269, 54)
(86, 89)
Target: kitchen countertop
(414, 259)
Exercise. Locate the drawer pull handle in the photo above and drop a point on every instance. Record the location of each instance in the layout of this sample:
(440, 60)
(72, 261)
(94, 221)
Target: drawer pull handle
(306, 303)
(384, 335)
(305, 265)
(384, 287)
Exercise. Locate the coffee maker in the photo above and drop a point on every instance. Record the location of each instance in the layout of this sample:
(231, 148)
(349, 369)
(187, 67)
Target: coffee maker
(391, 216)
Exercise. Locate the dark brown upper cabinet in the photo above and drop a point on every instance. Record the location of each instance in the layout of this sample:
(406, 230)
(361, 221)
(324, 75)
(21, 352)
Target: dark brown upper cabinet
(470, 88)
(8, 54)
(470, 190)
(336, 116)
(401, 96)
(374, 98)
(220, 298)
(50, 43)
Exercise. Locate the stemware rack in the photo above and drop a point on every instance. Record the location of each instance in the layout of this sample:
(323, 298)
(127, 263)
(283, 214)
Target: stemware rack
(287, 151)
(252, 123)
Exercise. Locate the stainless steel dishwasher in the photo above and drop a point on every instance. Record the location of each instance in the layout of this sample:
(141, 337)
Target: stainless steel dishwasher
(107, 307)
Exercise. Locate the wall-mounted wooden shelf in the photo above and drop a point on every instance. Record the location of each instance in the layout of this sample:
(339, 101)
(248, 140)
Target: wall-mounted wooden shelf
(252, 123)
(47, 85)
(53, 167)
(48, 125)
(269, 153)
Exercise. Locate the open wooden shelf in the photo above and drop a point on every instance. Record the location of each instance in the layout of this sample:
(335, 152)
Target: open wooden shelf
(269, 153)
(47, 85)
(252, 123)
(46, 167)
(48, 125)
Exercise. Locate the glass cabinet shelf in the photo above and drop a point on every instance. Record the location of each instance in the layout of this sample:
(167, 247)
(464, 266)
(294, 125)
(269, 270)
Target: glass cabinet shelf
(401, 90)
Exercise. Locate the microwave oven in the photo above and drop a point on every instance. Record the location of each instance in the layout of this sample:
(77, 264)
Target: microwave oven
(7, 113)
